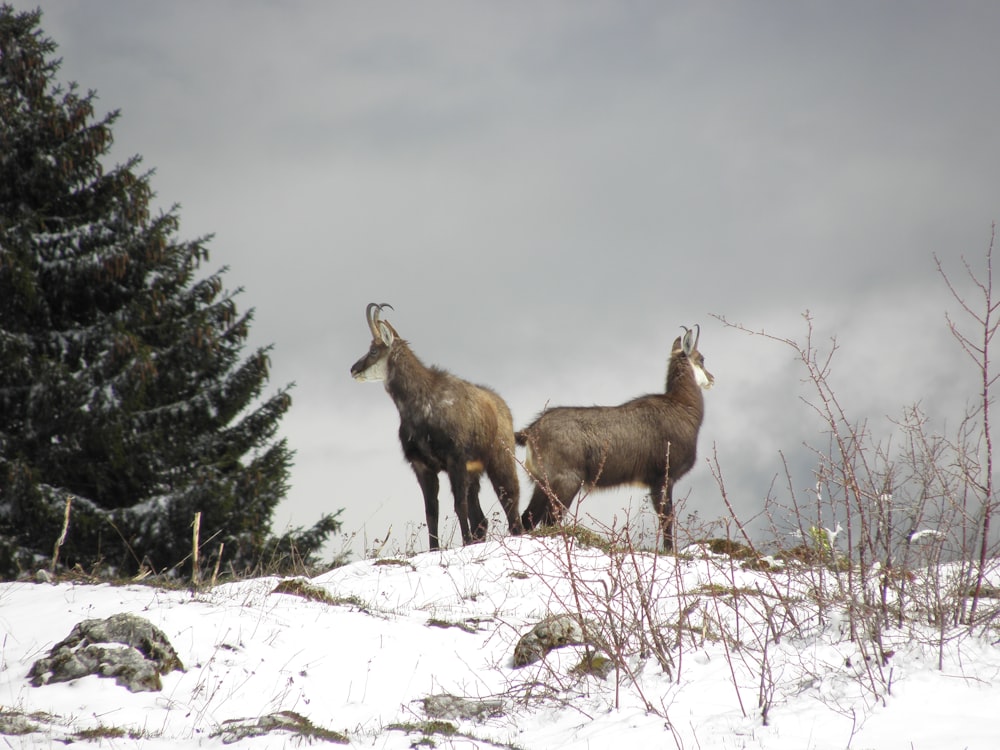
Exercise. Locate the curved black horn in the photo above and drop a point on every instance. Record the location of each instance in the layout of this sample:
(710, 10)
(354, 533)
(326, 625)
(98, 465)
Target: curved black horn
(371, 320)
(697, 334)
(372, 314)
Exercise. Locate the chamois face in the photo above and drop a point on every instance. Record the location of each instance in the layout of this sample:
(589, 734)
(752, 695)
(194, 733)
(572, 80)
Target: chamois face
(375, 364)
(689, 346)
(701, 376)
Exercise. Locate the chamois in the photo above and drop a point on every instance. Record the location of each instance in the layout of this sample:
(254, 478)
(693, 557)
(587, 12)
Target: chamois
(445, 424)
(650, 440)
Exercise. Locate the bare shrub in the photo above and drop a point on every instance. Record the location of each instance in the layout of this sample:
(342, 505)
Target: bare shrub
(892, 548)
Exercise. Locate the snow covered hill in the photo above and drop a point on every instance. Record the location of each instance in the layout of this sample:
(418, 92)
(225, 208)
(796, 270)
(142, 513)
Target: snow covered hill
(688, 652)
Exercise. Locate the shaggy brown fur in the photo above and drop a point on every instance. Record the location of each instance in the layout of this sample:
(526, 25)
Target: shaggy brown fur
(445, 424)
(650, 440)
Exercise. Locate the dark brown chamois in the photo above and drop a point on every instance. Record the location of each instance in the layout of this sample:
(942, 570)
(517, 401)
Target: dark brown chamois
(650, 440)
(445, 424)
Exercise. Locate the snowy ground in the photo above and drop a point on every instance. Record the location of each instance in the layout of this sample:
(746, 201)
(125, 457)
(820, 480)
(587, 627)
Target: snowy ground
(398, 631)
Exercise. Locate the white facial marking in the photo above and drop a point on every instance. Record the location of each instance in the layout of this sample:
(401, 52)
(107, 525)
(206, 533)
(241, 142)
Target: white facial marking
(376, 372)
(700, 377)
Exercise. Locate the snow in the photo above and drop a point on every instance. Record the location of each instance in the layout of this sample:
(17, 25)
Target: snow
(394, 632)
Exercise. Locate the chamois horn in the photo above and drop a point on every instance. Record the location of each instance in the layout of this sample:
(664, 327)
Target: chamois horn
(372, 313)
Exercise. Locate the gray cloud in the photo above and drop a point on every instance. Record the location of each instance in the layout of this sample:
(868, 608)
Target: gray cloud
(545, 193)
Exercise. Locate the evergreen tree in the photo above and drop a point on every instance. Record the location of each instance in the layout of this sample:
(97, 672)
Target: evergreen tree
(123, 385)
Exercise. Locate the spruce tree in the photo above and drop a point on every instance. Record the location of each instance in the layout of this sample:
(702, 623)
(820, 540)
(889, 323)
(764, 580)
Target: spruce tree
(124, 388)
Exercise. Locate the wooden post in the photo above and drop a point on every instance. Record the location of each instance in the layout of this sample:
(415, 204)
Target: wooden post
(218, 562)
(62, 537)
(194, 549)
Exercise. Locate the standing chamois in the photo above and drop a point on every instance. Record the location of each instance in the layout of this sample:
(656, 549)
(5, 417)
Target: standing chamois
(650, 440)
(445, 424)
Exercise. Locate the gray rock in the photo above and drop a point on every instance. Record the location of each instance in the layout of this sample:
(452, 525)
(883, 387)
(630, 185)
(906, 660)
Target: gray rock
(453, 707)
(138, 654)
(15, 723)
(303, 730)
(550, 633)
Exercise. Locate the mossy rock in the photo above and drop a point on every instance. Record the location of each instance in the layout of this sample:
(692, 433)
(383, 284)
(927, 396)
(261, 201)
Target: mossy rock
(136, 654)
(552, 632)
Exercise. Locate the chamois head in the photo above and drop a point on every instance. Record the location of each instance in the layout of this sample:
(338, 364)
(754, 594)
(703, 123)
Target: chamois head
(688, 346)
(374, 365)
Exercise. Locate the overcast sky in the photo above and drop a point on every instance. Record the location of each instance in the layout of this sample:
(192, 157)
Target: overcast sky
(545, 192)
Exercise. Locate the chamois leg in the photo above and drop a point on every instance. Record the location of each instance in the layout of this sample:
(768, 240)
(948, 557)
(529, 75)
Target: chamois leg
(505, 484)
(549, 503)
(662, 492)
(428, 480)
(460, 480)
(477, 521)
(537, 510)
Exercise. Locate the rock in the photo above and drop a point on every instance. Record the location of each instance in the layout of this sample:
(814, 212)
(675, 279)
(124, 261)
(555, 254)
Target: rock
(453, 707)
(15, 723)
(550, 633)
(139, 653)
(237, 730)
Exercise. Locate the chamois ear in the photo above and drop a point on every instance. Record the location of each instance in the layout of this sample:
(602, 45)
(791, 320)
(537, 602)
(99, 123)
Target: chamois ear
(690, 341)
(386, 333)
